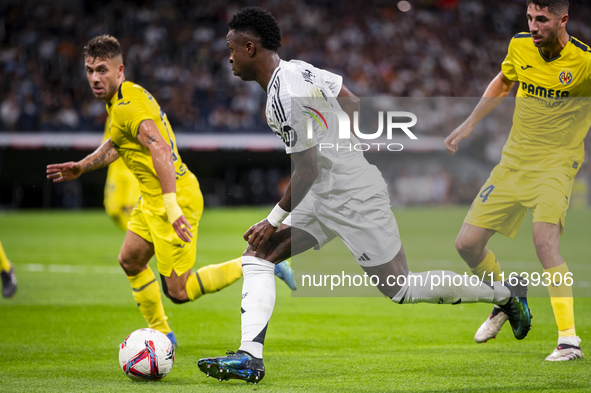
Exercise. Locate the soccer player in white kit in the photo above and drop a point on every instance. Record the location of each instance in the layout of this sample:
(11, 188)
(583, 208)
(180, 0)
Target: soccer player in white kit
(331, 193)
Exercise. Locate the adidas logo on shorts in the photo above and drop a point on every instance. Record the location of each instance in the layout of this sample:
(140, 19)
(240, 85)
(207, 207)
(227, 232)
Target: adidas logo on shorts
(364, 258)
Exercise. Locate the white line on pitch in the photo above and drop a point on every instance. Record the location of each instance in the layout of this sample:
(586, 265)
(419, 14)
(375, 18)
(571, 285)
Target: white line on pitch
(79, 269)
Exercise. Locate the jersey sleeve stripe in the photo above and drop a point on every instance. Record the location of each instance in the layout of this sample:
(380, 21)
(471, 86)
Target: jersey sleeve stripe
(276, 113)
(276, 106)
(279, 99)
(580, 45)
(522, 35)
(273, 80)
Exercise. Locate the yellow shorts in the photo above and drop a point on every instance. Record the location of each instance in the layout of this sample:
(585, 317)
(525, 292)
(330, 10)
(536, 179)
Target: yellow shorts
(151, 223)
(122, 190)
(504, 199)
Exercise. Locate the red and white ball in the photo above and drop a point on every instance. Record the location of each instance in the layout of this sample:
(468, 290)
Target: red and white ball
(146, 355)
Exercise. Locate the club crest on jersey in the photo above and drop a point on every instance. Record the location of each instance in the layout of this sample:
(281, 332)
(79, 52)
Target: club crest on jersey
(307, 75)
(565, 77)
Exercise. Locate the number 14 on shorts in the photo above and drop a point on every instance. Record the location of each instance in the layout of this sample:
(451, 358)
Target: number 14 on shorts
(486, 192)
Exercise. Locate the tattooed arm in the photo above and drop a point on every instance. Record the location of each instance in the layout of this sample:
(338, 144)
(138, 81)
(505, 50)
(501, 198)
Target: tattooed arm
(150, 137)
(161, 152)
(101, 157)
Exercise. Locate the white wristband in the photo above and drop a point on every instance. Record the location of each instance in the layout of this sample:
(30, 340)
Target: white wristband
(277, 216)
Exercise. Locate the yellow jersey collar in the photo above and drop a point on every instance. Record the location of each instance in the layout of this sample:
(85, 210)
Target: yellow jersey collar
(116, 97)
(558, 56)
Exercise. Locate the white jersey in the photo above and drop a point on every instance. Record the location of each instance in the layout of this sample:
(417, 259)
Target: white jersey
(344, 173)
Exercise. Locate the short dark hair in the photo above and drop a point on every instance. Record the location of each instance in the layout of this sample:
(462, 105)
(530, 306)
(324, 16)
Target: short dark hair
(554, 6)
(259, 23)
(104, 47)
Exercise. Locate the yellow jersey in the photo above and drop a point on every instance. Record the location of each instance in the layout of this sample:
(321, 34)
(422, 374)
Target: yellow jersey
(552, 108)
(127, 109)
(118, 165)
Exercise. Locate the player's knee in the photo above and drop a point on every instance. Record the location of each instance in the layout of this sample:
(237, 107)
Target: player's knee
(260, 253)
(176, 300)
(466, 245)
(461, 245)
(175, 295)
(274, 254)
(128, 265)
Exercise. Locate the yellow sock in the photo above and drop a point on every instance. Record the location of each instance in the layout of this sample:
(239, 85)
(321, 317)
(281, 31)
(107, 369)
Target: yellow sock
(489, 264)
(561, 297)
(146, 292)
(4, 262)
(213, 278)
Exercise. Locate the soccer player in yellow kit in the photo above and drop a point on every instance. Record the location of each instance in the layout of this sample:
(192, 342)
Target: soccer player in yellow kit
(165, 220)
(7, 274)
(121, 190)
(542, 155)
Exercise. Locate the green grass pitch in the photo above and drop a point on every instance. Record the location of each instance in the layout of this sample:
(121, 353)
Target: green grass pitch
(74, 307)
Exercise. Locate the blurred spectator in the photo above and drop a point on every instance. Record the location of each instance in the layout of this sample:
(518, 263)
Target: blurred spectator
(177, 50)
(10, 112)
(28, 120)
(67, 117)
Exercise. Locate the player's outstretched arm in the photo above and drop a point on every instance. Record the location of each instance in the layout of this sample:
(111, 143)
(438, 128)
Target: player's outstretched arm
(496, 91)
(302, 178)
(161, 152)
(66, 171)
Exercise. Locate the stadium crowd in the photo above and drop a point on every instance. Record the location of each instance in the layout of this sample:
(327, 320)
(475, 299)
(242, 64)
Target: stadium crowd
(177, 50)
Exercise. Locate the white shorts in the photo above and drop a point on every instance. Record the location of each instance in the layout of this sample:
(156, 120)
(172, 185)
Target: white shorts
(368, 228)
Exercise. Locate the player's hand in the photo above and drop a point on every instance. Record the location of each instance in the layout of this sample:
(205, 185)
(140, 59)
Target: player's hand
(451, 142)
(183, 229)
(259, 233)
(63, 172)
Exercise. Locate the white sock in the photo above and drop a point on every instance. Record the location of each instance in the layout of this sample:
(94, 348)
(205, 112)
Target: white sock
(439, 286)
(574, 341)
(258, 300)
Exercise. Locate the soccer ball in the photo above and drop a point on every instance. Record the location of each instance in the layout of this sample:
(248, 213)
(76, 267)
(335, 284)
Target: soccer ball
(146, 355)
